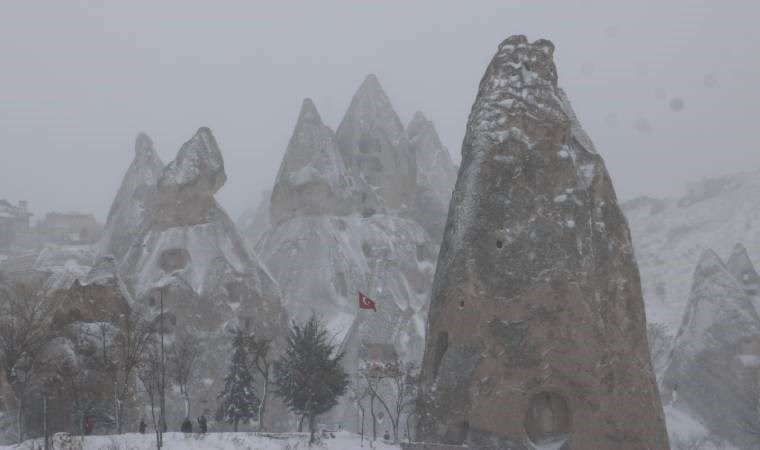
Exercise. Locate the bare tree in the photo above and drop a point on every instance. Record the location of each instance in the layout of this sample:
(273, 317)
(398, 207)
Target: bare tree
(76, 385)
(25, 331)
(358, 392)
(183, 357)
(260, 350)
(394, 386)
(149, 373)
(121, 347)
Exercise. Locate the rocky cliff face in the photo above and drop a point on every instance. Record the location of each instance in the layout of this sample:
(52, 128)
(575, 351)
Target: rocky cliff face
(189, 252)
(254, 222)
(712, 377)
(436, 175)
(134, 199)
(312, 177)
(342, 223)
(669, 235)
(536, 331)
(376, 151)
(324, 247)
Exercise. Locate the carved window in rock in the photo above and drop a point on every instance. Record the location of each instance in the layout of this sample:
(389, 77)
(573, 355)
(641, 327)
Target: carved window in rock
(441, 345)
(235, 290)
(547, 419)
(173, 259)
(456, 434)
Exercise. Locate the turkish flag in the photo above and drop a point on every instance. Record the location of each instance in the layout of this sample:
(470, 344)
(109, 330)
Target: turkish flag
(366, 303)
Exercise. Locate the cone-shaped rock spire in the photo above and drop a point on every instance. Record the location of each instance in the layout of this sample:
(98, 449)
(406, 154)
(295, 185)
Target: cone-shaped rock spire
(136, 196)
(717, 349)
(376, 151)
(312, 177)
(741, 267)
(436, 175)
(536, 333)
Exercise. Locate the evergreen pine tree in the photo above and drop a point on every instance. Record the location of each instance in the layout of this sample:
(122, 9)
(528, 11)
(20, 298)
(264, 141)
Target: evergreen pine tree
(309, 376)
(239, 399)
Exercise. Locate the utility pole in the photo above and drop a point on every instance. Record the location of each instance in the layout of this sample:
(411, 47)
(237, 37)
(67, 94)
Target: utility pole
(162, 421)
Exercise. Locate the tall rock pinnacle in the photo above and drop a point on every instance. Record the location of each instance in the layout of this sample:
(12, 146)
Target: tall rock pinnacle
(134, 199)
(741, 267)
(436, 175)
(376, 151)
(712, 374)
(190, 255)
(537, 332)
(312, 177)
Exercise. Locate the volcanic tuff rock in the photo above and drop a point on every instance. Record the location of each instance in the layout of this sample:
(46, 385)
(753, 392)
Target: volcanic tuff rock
(312, 177)
(342, 232)
(253, 223)
(741, 268)
(189, 252)
(134, 199)
(376, 151)
(713, 372)
(669, 235)
(323, 249)
(536, 333)
(436, 175)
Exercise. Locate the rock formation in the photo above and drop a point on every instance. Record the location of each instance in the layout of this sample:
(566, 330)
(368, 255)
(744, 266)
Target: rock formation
(254, 222)
(375, 150)
(669, 235)
(190, 254)
(536, 332)
(712, 377)
(312, 177)
(323, 250)
(741, 268)
(340, 226)
(436, 175)
(133, 201)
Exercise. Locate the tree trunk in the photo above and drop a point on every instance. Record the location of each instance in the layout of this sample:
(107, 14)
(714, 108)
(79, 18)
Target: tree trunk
(300, 423)
(187, 405)
(374, 419)
(20, 421)
(362, 428)
(235, 423)
(263, 405)
(312, 426)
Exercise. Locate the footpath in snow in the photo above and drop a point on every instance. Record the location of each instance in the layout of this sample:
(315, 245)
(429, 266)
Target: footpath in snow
(210, 441)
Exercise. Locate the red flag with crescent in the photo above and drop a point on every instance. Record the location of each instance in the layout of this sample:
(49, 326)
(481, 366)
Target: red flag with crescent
(366, 302)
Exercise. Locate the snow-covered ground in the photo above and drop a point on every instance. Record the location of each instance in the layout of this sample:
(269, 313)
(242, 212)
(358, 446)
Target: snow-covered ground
(211, 441)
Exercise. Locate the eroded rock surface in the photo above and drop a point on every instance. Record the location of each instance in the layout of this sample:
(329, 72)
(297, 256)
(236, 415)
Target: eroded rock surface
(712, 377)
(134, 199)
(537, 332)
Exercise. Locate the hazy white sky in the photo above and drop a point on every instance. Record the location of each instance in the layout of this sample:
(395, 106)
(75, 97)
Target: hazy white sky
(668, 90)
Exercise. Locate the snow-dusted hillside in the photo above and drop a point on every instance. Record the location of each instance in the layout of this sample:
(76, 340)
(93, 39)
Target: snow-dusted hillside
(211, 441)
(669, 236)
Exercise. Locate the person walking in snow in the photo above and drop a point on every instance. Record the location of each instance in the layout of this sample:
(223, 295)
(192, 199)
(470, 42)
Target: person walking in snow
(386, 436)
(187, 426)
(142, 426)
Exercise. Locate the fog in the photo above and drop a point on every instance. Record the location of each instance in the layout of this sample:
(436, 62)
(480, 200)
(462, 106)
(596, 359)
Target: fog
(667, 90)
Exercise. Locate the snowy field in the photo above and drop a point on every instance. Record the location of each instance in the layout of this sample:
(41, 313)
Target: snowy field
(211, 441)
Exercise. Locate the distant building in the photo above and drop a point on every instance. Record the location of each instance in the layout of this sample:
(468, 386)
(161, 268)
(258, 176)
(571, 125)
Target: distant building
(14, 221)
(69, 228)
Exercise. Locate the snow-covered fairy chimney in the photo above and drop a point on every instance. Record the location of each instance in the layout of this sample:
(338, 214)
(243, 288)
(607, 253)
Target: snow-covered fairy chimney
(537, 332)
